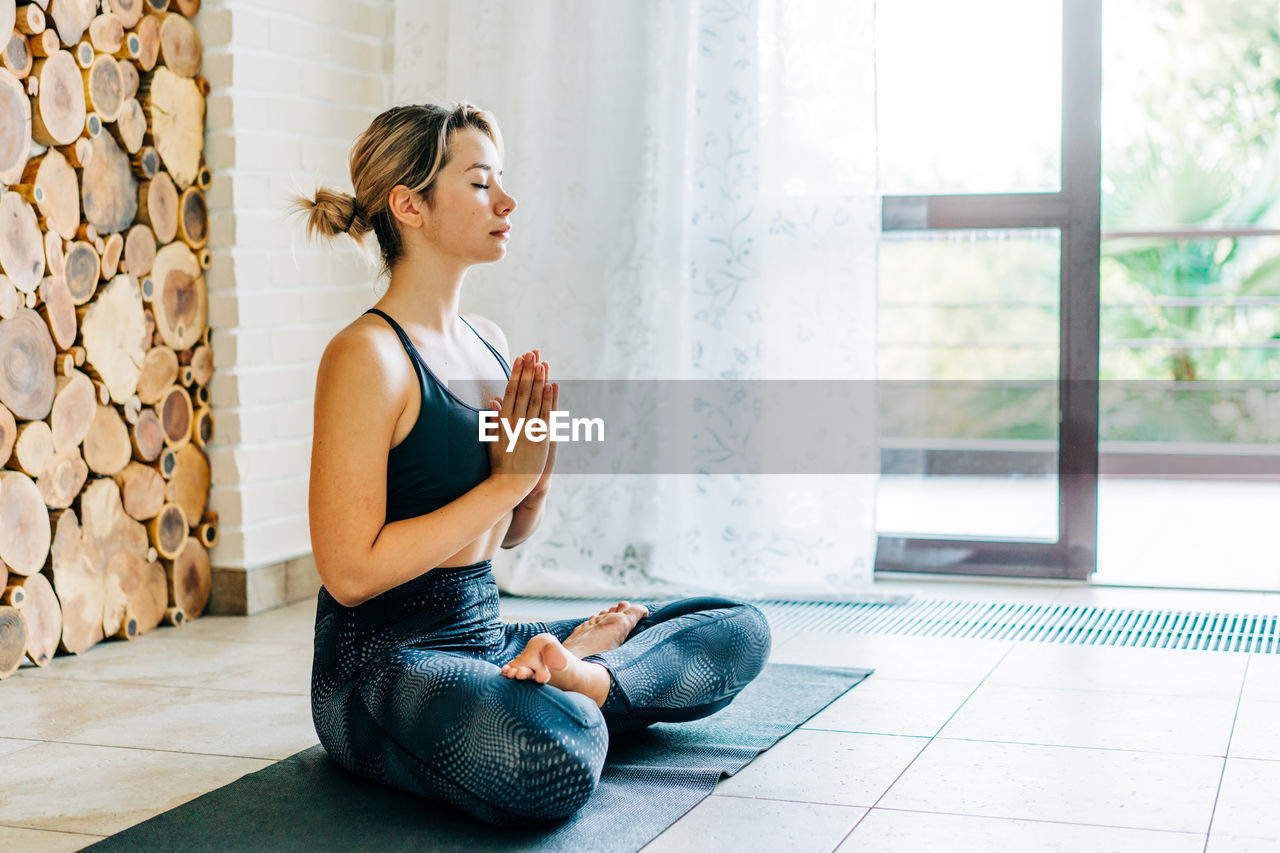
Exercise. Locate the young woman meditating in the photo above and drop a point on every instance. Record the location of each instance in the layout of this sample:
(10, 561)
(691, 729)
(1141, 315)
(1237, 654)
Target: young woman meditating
(417, 683)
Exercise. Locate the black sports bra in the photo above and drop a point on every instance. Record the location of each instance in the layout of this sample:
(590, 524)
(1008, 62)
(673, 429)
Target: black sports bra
(442, 457)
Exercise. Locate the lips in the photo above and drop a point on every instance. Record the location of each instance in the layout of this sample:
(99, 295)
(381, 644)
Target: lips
(501, 231)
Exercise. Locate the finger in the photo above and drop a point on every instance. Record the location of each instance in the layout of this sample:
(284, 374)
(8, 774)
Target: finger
(551, 457)
(536, 392)
(548, 391)
(524, 389)
(540, 400)
(553, 406)
(513, 389)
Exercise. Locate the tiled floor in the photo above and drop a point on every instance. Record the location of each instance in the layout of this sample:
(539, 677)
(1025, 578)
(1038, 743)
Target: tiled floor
(953, 744)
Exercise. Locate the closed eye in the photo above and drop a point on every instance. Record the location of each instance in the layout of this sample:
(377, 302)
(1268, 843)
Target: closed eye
(481, 186)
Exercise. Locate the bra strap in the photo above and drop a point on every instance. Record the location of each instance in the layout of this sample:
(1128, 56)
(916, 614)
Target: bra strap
(496, 354)
(404, 338)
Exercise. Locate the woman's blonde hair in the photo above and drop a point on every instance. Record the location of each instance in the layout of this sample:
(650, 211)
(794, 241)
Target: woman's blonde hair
(405, 145)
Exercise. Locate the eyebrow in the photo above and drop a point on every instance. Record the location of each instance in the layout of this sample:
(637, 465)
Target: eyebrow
(484, 166)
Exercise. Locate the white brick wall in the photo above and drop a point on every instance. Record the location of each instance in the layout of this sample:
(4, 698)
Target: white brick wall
(293, 83)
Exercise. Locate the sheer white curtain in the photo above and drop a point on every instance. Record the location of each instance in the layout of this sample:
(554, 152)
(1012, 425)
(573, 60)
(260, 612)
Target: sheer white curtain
(697, 200)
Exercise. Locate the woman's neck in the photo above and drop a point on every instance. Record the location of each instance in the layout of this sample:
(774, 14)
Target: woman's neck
(425, 291)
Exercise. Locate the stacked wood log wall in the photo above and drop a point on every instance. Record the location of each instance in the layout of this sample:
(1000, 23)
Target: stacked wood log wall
(104, 343)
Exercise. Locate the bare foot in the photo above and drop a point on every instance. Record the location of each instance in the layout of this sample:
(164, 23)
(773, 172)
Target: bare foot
(606, 630)
(546, 661)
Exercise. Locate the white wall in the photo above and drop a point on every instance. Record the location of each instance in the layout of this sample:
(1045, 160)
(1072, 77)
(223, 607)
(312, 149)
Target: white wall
(293, 83)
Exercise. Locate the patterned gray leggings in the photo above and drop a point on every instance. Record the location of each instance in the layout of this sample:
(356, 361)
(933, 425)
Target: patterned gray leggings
(406, 691)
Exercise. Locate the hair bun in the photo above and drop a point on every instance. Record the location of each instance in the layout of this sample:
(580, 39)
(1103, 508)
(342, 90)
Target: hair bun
(331, 212)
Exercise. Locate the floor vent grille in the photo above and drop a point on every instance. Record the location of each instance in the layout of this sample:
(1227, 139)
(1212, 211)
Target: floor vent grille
(1072, 624)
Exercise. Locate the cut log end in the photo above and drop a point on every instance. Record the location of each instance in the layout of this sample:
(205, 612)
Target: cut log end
(60, 205)
(26, 542)
(27, 381)
(148, 32)
(208, 534)
(147, 436)
(13, 640)
(176, 109)
(188, 486)
(190, 579)
(106, 32)
(59, 113)
(146, 163)
(81, 271)
(113, 333)
(104, 88)
(21, 244)
(168, 530)
(180, 300)
(193, 218)
(180, 48)
(158, 206)
(176, 414)
(128, 629)
(109, 191)
(141, 490)
(43, 614)
(30, 20)
(84, 54)
(128, 11)
(17, 57)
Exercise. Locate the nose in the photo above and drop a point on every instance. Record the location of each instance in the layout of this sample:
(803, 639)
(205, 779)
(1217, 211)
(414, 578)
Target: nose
(505, 204)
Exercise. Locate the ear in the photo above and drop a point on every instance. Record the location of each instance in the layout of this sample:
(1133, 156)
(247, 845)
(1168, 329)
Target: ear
(408, 207)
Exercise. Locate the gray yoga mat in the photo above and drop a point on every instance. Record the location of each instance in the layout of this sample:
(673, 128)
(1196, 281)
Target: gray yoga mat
(651, 778)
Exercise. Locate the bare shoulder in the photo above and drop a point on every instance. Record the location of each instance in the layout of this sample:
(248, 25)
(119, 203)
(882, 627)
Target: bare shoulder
(490, 331)
(366, 359)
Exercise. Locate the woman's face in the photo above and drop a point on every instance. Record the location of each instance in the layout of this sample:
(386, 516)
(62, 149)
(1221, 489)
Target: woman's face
(468, 216)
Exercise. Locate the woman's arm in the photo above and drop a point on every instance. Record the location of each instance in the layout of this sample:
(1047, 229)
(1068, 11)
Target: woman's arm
(357, 555)
(525, 520)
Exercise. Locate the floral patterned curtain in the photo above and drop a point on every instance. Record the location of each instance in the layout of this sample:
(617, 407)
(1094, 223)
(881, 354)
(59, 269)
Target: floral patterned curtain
(697, 200)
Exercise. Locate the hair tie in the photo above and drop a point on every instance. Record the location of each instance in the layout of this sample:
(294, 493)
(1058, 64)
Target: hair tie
(355, 211)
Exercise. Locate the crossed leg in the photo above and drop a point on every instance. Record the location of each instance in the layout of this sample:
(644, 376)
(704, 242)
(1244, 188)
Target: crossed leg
(681, 661)
(547, 660)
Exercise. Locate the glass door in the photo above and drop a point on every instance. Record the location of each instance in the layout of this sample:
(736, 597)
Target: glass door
(1190, 288)
(988, 304)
